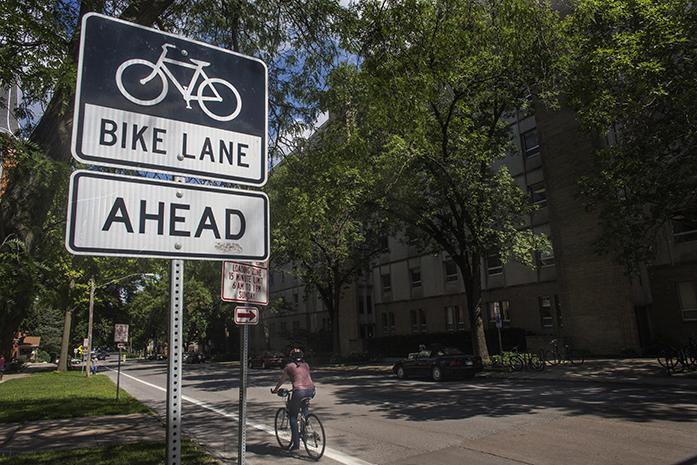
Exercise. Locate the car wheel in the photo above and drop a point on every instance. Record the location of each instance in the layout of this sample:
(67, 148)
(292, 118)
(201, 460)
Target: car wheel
(401, 374)
(436, 373)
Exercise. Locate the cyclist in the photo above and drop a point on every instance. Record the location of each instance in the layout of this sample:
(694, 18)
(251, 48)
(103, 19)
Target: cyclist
(298, 372)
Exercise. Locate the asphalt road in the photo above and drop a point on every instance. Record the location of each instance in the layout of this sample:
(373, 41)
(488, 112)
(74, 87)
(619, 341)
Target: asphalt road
(372, 418)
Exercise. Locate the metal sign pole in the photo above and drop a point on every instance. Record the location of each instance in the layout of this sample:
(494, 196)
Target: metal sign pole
(242, 432)
(118, 376)
(174, 362)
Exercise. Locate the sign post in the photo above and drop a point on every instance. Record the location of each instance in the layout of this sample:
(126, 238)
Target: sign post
(120, 338)
(244, 317)
(147, 100)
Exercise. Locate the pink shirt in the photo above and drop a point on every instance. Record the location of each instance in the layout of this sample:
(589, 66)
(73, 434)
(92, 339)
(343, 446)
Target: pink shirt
(299, 375)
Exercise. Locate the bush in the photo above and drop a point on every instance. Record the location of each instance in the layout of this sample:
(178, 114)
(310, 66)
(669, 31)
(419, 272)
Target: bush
(43, 356)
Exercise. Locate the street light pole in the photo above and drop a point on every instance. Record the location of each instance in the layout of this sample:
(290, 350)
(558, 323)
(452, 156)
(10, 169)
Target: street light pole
(89, 329)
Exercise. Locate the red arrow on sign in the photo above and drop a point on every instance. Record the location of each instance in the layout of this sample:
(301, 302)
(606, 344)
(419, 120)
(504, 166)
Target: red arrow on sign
(246, 315)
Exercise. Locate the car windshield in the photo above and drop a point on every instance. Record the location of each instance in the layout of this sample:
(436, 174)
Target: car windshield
(449, 351)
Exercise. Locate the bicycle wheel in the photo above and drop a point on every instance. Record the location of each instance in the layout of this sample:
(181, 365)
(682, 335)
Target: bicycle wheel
(282, 424)
(147, 94)
(313, 437)
(210, 87)
(536, 362)
(552, 357)
(576, 358)
(517, 363)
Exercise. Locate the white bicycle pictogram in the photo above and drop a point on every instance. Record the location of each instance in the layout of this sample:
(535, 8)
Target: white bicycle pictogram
(161, 70)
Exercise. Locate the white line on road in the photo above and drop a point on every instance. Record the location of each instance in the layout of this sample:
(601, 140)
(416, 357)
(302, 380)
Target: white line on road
(329, 452)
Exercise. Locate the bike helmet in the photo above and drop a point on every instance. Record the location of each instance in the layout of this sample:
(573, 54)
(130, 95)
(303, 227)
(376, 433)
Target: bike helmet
(296, 355)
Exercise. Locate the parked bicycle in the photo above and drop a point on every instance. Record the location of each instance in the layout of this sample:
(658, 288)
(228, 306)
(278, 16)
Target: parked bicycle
(526, 360)
(684, 358)
(558, 354)
(309, 426)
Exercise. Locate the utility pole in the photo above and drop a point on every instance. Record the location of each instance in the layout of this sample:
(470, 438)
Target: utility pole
(89, 329)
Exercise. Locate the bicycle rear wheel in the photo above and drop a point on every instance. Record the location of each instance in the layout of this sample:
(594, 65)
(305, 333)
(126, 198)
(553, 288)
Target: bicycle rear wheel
(517, 363)
(282, 424)
(313, 437)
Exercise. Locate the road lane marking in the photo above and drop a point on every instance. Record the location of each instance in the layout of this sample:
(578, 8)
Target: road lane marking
(328, 452)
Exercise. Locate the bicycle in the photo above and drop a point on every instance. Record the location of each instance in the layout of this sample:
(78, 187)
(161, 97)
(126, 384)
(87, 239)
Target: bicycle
(161, 70)
(557, 356)
(310, 428)
(679, 359)
(520, 360)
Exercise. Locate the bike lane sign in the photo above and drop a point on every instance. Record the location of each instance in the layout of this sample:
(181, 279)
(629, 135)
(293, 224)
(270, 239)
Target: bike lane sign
(153, 101)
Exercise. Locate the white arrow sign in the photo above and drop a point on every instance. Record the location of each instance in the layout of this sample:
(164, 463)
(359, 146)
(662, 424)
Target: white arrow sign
(246, 315)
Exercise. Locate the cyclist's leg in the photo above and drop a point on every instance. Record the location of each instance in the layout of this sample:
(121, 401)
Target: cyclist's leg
(293, 411)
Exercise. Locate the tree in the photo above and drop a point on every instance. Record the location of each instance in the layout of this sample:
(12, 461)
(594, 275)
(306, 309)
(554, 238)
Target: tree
(630, 72)
(322, 227)
(432, 100)
(39, 47)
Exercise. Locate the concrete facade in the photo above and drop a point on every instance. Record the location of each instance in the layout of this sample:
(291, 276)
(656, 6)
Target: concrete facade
(573, 293)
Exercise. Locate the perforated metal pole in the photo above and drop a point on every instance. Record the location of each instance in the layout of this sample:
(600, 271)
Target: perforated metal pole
(174, 385)
(242, 432)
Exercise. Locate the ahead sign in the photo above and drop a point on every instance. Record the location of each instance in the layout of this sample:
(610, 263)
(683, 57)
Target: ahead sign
(246, 315)
(128, 216)
(151, 100)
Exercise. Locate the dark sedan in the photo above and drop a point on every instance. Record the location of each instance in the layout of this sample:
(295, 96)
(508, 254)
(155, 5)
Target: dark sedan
(438, 363)
(267, 360)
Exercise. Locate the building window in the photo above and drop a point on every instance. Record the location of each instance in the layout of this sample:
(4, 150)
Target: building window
(450, 271)
(386, 283)
(295, 301)
(530, 144)
(384, 243)
(499, 308)
(388, 323)
(687, 291)
(546, 258)
(418, 321)
(538, 194)
(494, 266)
(546, 318)
(454, 318)
(296, 326)
(684, 228)
(367, 331)
(284, 326)
(415, 276)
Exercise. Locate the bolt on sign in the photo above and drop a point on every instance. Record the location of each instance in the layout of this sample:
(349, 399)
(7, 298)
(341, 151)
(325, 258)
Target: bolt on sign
(245, 282)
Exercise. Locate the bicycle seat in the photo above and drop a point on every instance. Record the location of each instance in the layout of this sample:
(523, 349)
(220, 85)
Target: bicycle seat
(305, 401)
(199, 62)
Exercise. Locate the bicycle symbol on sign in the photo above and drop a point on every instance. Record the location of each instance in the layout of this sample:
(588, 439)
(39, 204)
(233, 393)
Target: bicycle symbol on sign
(161, 70)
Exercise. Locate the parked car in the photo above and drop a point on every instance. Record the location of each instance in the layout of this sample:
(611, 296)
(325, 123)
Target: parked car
(267, 360)
(102, 355)
(156, 357)
(194, 357)
(438, 362)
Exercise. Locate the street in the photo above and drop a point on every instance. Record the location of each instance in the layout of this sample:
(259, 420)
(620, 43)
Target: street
(372, 418)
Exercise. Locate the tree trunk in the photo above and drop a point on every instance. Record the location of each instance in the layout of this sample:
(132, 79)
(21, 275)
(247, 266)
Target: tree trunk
(473, 292)
(65, 342)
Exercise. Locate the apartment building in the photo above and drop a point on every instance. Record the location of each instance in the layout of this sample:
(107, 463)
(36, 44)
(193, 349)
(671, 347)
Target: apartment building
(572, 293)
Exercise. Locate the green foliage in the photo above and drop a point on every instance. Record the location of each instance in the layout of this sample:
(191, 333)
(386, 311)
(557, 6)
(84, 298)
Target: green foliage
(44, 396)
(631, 73)
(431, 104)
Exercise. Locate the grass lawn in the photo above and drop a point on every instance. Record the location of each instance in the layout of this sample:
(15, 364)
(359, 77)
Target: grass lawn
(48, 396)
(131, 454)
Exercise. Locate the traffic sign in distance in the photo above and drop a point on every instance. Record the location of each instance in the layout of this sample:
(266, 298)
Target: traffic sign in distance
(120, 333)
(115, 215)
(245, 283)
(246, 316)
(150, 100)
